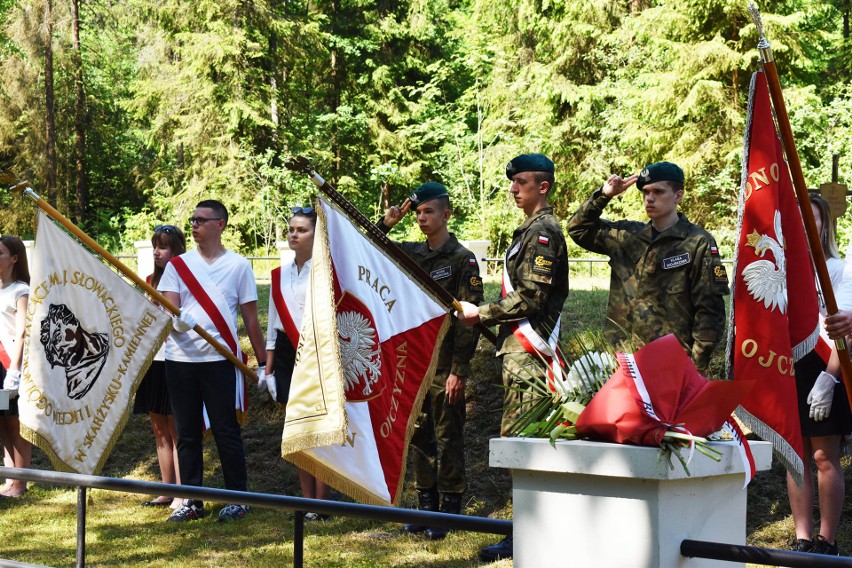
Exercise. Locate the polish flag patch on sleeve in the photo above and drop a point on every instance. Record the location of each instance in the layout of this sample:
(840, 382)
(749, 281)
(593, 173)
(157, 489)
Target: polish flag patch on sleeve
(472, 261)
(543, 240)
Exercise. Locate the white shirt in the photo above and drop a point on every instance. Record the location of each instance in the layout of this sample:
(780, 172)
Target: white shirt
(294, 283)
(843, 292)
(9, 297)
(234, 280)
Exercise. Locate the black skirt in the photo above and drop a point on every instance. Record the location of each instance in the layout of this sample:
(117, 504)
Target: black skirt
(285, 359)
(153, 394)
(839, 420)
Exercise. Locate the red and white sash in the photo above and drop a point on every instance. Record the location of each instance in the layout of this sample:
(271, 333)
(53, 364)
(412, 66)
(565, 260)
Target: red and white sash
(286, 305)
(217, 310)
(5, 360)
(529, 338)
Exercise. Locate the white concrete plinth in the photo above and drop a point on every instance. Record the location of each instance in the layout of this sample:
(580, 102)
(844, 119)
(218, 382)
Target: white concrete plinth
(144, 258)
(601, 505)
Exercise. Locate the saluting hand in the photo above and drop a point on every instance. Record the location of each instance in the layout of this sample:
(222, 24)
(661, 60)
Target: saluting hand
(616, 185)
(395, 213)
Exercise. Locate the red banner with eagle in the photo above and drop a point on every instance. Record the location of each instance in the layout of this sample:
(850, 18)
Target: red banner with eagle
(775, 308)
(368, 346)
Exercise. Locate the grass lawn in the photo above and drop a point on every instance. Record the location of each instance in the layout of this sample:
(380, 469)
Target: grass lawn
(40, 528)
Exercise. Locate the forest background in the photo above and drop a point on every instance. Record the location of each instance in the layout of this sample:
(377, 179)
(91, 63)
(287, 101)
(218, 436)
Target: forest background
(125, 113)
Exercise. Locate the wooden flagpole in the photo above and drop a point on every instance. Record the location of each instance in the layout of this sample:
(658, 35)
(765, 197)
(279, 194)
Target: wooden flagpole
(302, 165)
(27, 190)
(789, 143)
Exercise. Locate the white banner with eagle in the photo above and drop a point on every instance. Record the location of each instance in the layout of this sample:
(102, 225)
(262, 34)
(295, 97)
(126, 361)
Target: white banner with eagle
(367, 353)
(90, 338)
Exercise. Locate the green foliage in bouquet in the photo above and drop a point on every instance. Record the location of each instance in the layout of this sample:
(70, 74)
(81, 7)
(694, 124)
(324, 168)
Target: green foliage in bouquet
(550, 407)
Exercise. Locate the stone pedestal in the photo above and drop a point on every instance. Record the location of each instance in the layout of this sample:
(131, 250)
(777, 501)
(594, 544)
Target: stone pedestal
(616, 506)
(144, 258)
(479, 250)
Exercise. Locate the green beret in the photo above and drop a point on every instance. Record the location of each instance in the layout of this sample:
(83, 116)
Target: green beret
(529, 163)
(427, 192)
(661, 171)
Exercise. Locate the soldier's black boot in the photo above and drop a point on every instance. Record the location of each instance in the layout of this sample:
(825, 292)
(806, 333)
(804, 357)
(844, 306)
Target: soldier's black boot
(450, 503)
(426, 501)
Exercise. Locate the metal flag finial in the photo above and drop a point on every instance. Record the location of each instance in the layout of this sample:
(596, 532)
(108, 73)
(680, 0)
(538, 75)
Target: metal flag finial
(762, 42)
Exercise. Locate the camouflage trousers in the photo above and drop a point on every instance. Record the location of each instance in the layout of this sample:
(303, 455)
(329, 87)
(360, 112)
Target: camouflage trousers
(515, 365)
(438, 442)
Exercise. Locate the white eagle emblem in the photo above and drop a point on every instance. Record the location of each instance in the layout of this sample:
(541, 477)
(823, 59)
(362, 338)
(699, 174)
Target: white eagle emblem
(359, 351)
(767, 281)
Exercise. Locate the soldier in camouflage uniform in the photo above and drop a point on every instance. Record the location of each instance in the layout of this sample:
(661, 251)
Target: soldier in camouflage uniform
(666, 275)
(537, 268)
(438, 439)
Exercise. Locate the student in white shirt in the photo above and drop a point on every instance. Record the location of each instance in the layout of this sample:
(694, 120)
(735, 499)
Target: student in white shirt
(282, 328)
(214, 285)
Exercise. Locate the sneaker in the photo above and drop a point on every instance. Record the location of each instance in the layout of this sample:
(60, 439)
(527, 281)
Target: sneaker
(821, 546)
(189, 511)
(801, 545)
(499, 551)
(311, 516)
(233, 512)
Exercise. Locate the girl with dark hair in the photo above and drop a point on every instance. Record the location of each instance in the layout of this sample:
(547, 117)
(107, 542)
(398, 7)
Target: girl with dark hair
(14, 293)
(152, 397)
(287, 302)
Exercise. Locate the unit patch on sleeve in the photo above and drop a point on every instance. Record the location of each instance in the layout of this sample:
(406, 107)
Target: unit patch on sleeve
(543, 264)
(676, 261)
(441, 273)
(474, 283)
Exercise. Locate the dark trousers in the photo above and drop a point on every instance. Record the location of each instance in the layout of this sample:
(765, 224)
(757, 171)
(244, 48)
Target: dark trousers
(438, 441)
(213, 384)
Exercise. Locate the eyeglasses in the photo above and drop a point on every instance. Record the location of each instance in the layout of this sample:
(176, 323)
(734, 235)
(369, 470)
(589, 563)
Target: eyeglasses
(167, 229)
(201, 220)
(302, 210)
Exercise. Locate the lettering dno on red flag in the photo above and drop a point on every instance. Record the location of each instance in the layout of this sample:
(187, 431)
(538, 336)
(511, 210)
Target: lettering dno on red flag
(775, 310)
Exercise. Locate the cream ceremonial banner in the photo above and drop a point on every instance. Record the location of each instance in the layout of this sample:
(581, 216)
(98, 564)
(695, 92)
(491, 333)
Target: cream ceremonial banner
(367, 353)
(90, 338)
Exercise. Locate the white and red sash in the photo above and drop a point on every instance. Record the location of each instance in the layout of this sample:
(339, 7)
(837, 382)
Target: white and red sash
(5, 360)
(216, 308)
(529, 338)
(286, 305)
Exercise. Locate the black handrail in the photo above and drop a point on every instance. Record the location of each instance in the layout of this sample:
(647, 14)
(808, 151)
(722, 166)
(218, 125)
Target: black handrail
(762, 556)
(300, 505)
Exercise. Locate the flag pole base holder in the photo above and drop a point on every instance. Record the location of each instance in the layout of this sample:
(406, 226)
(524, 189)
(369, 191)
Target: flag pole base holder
(4, 399)
(615, 505)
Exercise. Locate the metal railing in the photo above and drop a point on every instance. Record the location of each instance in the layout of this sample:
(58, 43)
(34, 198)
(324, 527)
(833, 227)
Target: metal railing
(299, 505)
(762, 556)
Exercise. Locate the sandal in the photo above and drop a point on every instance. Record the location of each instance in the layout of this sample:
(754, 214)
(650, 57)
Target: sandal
(155, 503)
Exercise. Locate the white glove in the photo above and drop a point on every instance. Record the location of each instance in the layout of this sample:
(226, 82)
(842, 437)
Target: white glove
(271, 386)
(184, 322)
(261, 378)
(266, 382)
(821, 395)
(12, 380)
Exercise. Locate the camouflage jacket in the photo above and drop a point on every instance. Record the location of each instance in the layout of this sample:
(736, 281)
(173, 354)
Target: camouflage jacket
(673, 283)
(456, 270)
(537, 262)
